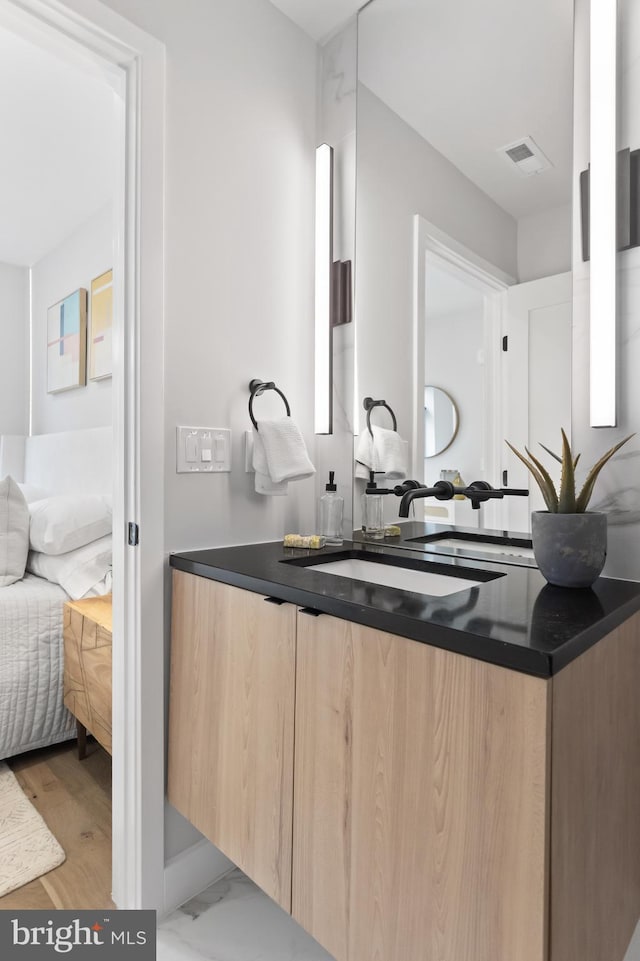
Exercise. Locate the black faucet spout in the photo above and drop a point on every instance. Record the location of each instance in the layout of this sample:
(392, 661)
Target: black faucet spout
(442, 491)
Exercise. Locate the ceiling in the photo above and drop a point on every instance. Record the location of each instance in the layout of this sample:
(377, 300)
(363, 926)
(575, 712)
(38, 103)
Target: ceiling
(472, 77)
(319, 18)
(59, 149)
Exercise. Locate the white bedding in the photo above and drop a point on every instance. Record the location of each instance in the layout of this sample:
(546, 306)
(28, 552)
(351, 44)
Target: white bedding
(32, 714)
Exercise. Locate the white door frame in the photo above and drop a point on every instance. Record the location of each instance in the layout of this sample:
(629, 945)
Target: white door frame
(100, 40)
(431, 243)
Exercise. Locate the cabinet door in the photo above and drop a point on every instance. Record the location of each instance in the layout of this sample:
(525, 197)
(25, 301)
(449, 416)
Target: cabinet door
(420, 800)
(595, 804)
(231, 725)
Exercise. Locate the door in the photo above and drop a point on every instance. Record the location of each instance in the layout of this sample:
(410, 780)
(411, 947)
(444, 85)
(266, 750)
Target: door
(231, 724)
(538, 384)
(420, 800)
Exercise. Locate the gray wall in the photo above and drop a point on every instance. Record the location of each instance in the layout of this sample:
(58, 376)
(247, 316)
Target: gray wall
(239, 219)
(86, 254)
(544, 244)
(14, 349)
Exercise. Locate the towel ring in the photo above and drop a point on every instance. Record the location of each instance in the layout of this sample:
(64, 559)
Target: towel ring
(369, 403)
(257, 387)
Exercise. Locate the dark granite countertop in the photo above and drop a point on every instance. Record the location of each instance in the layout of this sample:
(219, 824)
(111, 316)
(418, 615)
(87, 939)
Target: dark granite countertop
(515, 619)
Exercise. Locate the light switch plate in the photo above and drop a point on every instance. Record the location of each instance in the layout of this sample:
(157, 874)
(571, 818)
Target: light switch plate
(203, 450)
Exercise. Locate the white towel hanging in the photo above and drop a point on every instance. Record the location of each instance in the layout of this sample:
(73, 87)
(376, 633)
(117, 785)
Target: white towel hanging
(285, 450)
(383, 451)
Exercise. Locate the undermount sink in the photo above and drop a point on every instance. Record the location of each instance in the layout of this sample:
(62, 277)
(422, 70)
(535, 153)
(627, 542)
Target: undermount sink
(418, 577)
(469, 542)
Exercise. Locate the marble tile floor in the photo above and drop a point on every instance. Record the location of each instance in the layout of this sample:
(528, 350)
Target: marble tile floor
(234, 921)
(633, 954)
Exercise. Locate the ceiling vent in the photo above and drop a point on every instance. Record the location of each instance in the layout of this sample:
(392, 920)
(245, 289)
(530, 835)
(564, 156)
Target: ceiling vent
(525, 154)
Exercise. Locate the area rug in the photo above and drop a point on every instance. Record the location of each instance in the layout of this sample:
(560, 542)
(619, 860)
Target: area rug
(28, 849)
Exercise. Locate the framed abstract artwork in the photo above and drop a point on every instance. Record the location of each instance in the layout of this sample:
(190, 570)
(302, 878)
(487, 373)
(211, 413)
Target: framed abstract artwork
(100, 352)
(67, 343)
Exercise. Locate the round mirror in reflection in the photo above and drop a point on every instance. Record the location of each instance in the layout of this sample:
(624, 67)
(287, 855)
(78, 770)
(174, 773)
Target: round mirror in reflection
(440, 420)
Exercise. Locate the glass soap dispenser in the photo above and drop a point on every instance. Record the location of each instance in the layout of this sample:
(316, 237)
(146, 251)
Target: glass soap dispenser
(331, 513)
(372, 511)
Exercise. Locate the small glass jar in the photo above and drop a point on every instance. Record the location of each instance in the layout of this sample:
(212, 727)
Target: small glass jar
(372, 516)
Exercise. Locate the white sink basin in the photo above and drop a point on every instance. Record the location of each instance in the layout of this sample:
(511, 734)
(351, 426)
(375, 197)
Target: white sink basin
(403, 578)
(484, 547)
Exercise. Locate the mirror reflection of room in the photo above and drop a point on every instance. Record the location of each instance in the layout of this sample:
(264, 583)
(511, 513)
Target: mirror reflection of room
(464, 173)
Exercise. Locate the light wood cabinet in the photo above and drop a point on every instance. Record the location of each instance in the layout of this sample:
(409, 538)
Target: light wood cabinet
(231, 725)
(420, 827)
(595, 800)
(87, 667)
(441, 808)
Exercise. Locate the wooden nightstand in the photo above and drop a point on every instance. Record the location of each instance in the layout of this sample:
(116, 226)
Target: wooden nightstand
(87, 668)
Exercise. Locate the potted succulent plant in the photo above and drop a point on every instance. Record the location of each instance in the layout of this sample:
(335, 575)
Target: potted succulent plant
(569, 542)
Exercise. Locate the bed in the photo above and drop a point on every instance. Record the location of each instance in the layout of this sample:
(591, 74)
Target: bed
(32, 714)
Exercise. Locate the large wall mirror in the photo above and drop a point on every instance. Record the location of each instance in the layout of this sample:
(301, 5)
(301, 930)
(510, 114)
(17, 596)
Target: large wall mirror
(464, 232)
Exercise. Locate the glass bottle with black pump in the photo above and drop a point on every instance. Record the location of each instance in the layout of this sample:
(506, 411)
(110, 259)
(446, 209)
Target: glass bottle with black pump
(331, 510)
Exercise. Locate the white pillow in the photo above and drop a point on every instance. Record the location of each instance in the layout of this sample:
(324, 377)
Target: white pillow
(14, 532)
(64, 523)
(105, 586)
(32, 493)
(78, 572)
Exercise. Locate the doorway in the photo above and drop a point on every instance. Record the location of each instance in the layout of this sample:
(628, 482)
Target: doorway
(105, 44)
(459, 315)
(503, 349)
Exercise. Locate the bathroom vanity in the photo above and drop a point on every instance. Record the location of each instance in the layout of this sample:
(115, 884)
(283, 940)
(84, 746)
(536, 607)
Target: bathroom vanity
(414, 777)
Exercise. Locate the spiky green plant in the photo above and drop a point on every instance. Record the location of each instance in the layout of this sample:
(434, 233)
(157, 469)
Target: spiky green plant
(565, 501)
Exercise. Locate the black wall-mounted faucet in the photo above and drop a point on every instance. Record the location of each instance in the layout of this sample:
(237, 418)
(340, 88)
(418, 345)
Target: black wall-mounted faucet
(477, 493)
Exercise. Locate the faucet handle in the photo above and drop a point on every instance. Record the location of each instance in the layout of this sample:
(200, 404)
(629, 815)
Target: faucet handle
(407, 485)
(478, 492)
(445, 490)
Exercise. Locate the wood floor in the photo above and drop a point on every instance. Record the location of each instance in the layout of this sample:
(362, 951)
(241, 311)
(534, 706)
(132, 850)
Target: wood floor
(74, 798)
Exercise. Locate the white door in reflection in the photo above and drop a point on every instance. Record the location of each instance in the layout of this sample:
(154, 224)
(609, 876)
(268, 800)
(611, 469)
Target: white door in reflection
(537, 383)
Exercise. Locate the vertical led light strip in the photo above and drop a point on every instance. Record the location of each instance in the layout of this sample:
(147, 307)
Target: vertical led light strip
(602, 217)
(324, 259)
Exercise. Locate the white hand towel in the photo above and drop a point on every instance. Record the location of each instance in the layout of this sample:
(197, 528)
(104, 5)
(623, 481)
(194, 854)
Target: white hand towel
(263, 482)
(383, 451)
(285, 451)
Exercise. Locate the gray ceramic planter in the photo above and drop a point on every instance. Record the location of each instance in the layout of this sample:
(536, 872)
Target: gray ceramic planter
(570, 549)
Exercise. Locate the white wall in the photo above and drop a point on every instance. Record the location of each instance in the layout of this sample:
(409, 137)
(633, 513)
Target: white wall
(86, 254)
(618, 489)
(240, 168)
(399, 175)
(337, 127)
(544, 243)
(14, 352)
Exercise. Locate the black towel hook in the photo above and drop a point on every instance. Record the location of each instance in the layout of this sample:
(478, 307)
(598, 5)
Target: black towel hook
(257, 387)
(369, 403)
